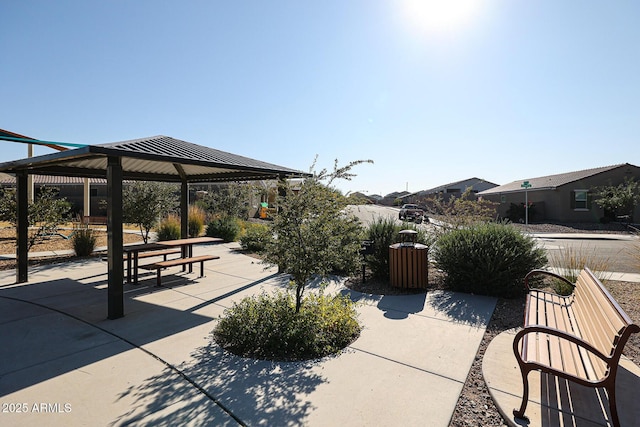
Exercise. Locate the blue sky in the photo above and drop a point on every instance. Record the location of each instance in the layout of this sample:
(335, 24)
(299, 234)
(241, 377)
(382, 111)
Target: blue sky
(500, 90)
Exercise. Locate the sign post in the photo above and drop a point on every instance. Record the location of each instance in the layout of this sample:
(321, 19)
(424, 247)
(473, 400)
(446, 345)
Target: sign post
(526, 185)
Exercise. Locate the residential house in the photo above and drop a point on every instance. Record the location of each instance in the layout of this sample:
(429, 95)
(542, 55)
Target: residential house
(566, 197)
(453, 189)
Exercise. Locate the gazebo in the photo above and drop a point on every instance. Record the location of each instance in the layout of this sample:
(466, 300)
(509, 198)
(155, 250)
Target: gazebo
(156, 158)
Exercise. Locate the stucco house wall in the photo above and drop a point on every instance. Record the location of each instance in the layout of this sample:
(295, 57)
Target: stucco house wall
(554, 197)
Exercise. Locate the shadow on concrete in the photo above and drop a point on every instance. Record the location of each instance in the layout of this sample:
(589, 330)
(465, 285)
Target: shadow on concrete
(254, 392)
(469, 309)
(567, 403)
(50, 328)
(398, 307)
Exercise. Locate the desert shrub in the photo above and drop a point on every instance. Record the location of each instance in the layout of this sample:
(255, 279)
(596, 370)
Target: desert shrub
(83, 240)
(196, 220)
(517, 213)
(384, 232)
(487, 258)
(169, 228)
(268, 327)
(255, 237)
(225, 227)
(569, 260)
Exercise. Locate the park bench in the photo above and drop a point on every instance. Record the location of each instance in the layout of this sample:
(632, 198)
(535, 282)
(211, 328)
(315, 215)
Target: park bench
(94, 220)
(158, 266)
(579, 337)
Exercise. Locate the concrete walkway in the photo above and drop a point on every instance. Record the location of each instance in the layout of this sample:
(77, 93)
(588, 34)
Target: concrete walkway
(64, 363)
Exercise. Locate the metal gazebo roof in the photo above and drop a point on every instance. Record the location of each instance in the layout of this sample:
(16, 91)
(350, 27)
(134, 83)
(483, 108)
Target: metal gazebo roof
(156, 158)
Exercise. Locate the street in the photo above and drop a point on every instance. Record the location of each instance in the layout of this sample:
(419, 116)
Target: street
(619, 252)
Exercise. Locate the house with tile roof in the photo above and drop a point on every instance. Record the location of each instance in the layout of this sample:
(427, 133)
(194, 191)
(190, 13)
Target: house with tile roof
(566, 197)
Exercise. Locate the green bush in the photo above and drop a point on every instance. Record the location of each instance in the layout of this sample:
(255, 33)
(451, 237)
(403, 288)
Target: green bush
(255, 237)
(385, 232)
(267, 326)
(84, 241)
(226, 227)
(196, 220)
(487, 259)
(169, 228)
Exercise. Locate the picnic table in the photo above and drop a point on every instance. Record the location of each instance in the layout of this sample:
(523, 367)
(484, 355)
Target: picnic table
(162, 248)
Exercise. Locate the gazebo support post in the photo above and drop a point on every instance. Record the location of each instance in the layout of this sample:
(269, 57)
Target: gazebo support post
(114, 239)
(22, 215)
(184, 209)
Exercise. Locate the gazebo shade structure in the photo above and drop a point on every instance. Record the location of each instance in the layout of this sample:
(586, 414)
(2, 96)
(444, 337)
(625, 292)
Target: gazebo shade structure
(157, 158)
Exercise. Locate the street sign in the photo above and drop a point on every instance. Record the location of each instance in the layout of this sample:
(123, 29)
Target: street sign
(525, 184)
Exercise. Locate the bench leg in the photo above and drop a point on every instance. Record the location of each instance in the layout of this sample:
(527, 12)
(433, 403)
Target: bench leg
(201, 268)
(519, 413)
(158, 278)
(611, 392)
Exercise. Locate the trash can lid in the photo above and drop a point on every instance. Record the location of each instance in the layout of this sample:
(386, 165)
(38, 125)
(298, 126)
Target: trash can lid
(408, 232)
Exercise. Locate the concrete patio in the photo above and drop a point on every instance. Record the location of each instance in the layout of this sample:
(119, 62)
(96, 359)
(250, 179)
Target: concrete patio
(65, 364)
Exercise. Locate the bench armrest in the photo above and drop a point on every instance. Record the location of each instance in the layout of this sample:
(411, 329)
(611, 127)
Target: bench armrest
(547, 273)
(560, 334)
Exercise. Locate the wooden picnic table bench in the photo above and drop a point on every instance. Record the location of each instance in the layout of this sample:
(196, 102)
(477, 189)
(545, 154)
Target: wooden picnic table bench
(180, 261)
(579, 337)
(165, 247)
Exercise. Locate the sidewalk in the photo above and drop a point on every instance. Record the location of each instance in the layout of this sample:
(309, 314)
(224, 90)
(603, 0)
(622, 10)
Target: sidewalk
(70, 366)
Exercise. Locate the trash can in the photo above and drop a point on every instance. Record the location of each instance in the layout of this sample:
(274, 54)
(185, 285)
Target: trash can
(409, 262)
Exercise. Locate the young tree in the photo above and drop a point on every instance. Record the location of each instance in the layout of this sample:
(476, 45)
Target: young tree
(143, 203)
(618, 199)
(463, 210)
(46, 212)
(313, 234)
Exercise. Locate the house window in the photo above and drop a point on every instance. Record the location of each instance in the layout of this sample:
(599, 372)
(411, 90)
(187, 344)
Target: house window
(580, 199)
(93, 192)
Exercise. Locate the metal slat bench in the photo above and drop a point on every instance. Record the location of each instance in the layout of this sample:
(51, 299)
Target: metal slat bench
(179, 261)
(579, 337)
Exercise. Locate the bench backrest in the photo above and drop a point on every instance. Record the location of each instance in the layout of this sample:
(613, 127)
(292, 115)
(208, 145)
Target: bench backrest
(601, 321)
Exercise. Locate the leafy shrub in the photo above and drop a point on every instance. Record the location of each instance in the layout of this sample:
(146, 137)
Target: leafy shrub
(255, 237)
(385, 232)
(169, 228)
(226, 227)
(487, 259)
(83, 241)
(196, 220)
(268, 327)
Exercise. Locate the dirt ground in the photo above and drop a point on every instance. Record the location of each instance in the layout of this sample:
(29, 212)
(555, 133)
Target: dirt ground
(53, 243)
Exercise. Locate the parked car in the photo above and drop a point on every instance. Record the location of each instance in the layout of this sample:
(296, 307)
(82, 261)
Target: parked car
(411, 212)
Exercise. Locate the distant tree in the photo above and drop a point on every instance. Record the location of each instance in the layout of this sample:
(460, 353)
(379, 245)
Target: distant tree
(232, 199)
(618, 199)
(144, 203)
(45, 213)
(313, 234)
(463, 210)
